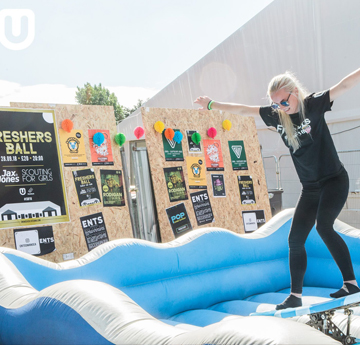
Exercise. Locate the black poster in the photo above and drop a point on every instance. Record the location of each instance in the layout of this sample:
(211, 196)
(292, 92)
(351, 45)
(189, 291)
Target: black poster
(202, 207)
(94, 230)
(253, 220)
(179, 219)
(175, 183)
(193, 148)
(86, 187)
(35, 241)
(31, 180)
(218, 185)
(112, 188)
(246, 188)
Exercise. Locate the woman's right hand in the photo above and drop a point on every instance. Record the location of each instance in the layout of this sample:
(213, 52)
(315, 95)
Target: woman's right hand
(203, 101)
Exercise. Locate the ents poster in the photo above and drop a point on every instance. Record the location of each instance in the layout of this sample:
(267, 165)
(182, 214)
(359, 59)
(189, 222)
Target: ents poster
(175, 183)
(31, 179)
(112, 188)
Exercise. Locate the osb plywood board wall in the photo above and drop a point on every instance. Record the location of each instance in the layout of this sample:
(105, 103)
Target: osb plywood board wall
(69, 237)
(227, 210)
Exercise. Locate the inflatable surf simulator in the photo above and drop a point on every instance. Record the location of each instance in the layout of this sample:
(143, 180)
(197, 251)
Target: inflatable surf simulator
(198, 289)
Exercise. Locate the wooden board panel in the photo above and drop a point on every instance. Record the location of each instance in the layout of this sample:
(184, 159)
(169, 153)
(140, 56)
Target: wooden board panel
(69, 237)
(227, 211)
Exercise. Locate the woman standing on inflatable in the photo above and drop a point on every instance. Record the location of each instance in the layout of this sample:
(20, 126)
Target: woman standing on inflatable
(299, 118)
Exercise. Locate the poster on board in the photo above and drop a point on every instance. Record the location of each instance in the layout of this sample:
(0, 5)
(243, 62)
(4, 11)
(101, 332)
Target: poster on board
(196, 172)
(73, 148)
(35, 241)
(112, 188)
(213, 155)
(179, 219)
(175, 183)
(31, 178)
(94, 230)
(246, 188)
(101, 154)
(238, 155)
(172, 150)
(202, 207)
(218, 185)
(193, 148)
(253, 220)
(86, 187)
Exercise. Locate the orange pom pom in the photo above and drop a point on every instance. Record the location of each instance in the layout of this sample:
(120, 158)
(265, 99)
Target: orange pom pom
(67, 125)
(169, 133)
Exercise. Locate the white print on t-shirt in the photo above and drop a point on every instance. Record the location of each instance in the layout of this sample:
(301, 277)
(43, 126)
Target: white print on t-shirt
(304, 128)
(316, 95)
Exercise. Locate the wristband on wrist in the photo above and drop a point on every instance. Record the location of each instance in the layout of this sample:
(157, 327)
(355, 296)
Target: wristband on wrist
(209, 105)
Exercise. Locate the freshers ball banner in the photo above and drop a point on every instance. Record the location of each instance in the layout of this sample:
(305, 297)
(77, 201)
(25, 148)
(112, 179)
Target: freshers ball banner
(31, 179)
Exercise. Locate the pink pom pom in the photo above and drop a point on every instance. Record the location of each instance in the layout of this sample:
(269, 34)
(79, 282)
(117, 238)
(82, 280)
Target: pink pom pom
(212, 132)
(139, 132)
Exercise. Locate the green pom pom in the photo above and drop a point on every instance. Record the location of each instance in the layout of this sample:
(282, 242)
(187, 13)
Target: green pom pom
(120, 139)
(196, 138)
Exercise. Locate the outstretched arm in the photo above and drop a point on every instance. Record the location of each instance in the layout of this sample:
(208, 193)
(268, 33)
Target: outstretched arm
(230, 107)
(345, 84)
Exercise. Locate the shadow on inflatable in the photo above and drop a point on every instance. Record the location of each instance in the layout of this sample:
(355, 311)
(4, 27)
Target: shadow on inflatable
(198, 289)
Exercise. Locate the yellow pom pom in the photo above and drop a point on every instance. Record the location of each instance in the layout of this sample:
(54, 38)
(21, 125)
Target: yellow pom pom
(159, 126)
(227, 125)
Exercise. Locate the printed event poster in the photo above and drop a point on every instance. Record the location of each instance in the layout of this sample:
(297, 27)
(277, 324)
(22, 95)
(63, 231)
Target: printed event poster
(112, 188)
(193, 148)
(238, 156)
(86, 187)
(202, 207)
(218, 185)
(94, 230)
(172, 150)
(31, 178)
(73, 148)
(253, 220)
(196, 172)
(246, 188)
(175, 183)
(101, 155)
(179, 219)
(35, 241)
(213, 155)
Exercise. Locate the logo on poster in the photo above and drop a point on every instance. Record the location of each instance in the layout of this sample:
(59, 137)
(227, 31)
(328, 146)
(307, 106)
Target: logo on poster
(16, 16)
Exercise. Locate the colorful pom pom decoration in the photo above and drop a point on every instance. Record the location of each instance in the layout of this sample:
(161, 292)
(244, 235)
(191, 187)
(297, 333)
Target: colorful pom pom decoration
(169, 133)
(120, 139)
(159, 126)
(212, 132)
(139, 132)
(67, 125)
(178, 137)
(196, 138)
(227, 125)
(98, 138)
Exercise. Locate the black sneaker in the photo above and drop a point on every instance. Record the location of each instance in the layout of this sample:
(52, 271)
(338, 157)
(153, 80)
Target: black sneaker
(290, 302)
(351, 289)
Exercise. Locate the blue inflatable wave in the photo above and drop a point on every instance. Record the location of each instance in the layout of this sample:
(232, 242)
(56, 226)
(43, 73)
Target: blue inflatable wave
(197, 289)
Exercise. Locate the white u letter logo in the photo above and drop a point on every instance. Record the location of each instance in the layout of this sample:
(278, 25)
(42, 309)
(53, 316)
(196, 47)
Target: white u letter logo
(16, 15)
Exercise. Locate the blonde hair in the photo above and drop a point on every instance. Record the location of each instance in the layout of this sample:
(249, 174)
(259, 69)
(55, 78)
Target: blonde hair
(289, 83)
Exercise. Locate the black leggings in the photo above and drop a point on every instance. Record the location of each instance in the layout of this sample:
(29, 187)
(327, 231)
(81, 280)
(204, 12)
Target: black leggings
(322, 202)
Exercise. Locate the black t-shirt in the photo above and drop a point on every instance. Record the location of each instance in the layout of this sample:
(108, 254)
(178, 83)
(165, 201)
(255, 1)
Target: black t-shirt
(316, 159)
